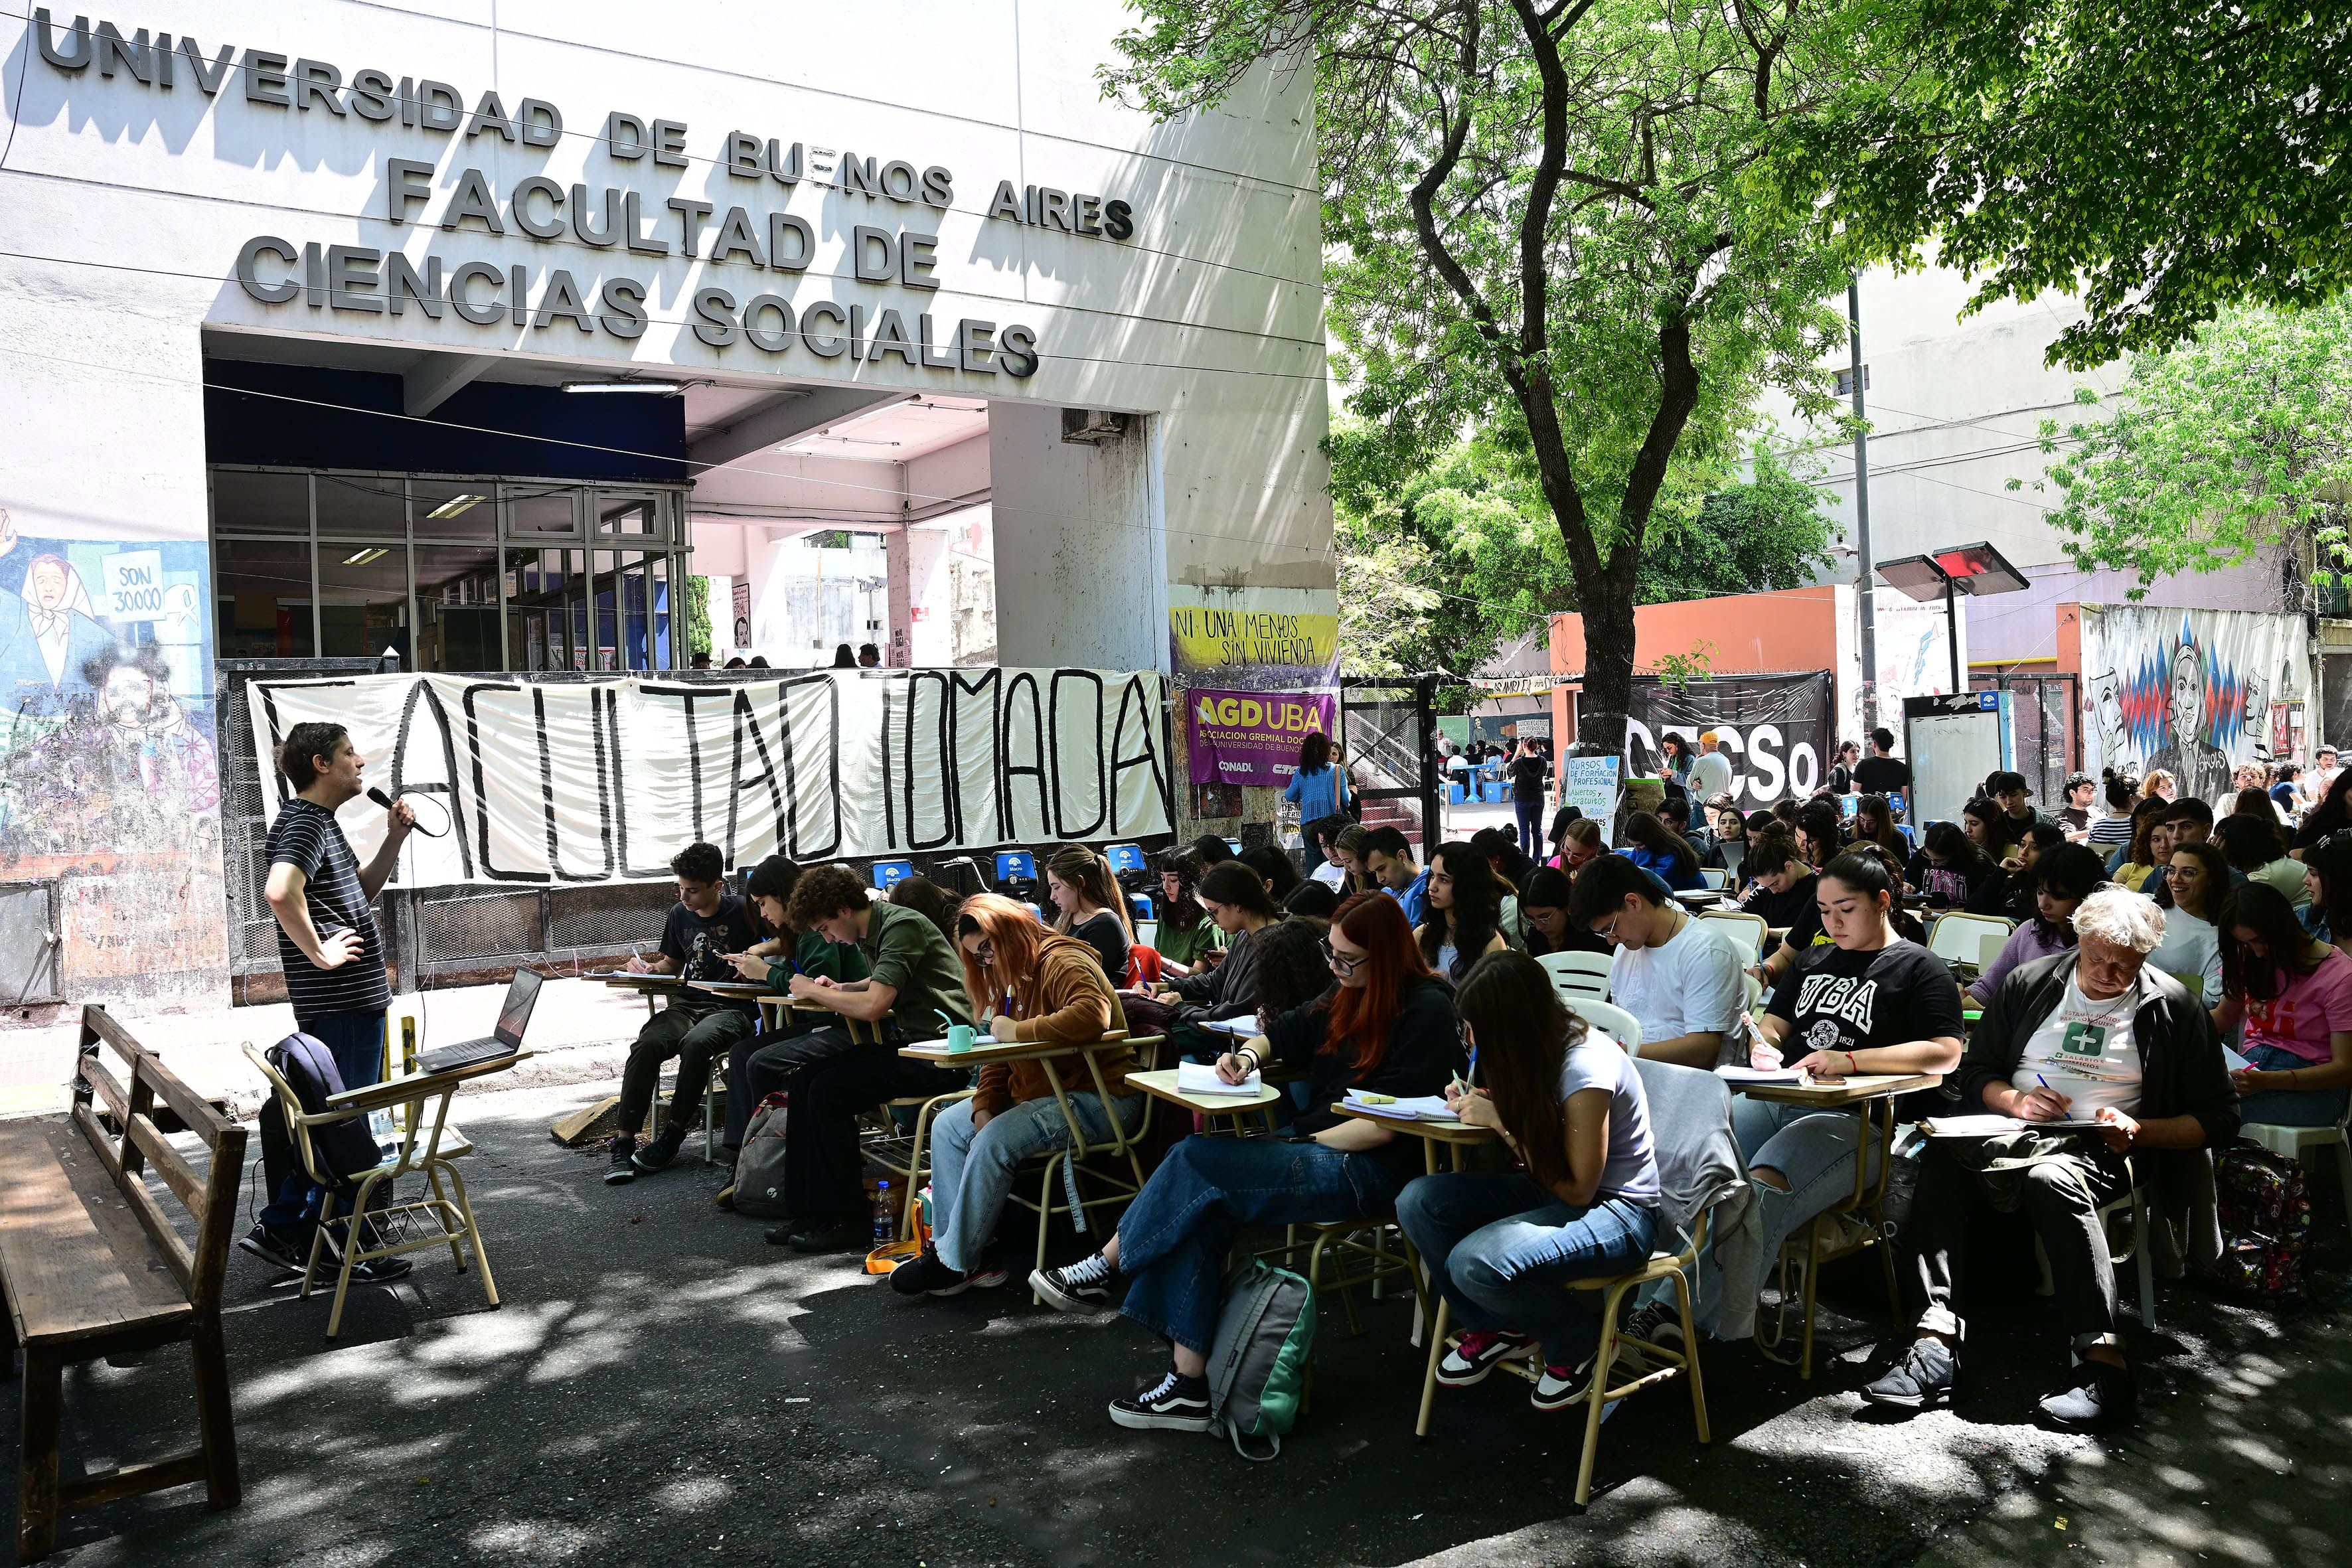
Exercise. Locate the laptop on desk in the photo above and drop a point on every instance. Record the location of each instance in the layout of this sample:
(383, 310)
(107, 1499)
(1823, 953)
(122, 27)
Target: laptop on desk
(514, 1016)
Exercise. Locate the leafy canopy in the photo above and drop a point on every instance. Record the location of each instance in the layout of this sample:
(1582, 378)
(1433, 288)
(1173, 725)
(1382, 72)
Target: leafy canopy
(1540, 220)
(2234, 441)
(2164, 158)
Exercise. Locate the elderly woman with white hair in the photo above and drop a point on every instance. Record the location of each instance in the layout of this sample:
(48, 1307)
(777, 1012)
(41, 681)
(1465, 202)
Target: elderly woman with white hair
(2096, 1035)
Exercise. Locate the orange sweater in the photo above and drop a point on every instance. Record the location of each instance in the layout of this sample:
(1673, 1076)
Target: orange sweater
(1067, 999)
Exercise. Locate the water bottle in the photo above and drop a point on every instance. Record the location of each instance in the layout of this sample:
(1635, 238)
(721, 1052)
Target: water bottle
(886, 1223)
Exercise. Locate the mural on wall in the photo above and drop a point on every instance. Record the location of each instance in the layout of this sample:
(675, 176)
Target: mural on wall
(108, 776)
(2189, 692)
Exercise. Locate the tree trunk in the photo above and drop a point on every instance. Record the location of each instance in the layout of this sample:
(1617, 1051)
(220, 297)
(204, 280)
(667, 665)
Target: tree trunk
(1608, 612)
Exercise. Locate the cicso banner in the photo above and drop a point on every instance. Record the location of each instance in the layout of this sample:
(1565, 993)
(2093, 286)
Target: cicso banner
(1252, 737)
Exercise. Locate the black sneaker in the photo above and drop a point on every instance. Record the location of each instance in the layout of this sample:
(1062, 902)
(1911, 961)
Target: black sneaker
(657, 1154)
(849, 1236)
(1081, 1287)
(1925, 1376)
(274, 1250)
(1175, 1404)
(1475, 1354)
(1561, 1386)
(925, 1275)
(1660, 1323)
(2098, 1397)
(623, 1169)
(379, 1270)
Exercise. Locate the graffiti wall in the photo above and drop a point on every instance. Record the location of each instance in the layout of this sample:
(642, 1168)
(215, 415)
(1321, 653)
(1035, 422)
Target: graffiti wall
(2189, 691)
(109, 784)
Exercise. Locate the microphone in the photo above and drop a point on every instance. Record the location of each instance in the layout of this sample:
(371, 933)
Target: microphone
(383, 800)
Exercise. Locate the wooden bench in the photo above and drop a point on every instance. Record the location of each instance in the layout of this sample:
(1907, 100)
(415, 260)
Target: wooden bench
(91, 1267)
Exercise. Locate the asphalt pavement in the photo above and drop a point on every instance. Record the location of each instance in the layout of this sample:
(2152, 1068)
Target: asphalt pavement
(660, 1387)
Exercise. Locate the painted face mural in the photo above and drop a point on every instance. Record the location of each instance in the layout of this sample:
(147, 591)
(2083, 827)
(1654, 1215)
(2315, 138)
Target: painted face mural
(2187, 691)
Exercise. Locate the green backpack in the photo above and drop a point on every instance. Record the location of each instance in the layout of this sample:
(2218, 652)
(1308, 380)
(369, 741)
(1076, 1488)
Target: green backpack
(1257, 1362)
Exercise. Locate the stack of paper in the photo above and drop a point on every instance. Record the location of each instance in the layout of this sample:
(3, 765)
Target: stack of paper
(1733, 1073)
(1423, 1108)
(1200, 1078)
(1992, 1126)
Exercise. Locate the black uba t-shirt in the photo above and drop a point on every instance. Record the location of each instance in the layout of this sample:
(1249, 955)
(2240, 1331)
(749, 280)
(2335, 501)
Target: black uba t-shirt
(1834, 1000)
(697, 943)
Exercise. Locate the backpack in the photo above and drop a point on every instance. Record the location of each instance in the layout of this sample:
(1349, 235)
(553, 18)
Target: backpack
(1258, 1359)
(759, 1167)
(2265, 1213)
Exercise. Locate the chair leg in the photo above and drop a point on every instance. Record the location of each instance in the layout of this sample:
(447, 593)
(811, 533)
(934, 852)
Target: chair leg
(1886, 1267)
(221, 1488)
(2144, 1260)
(42, 1418)
(474, 1233)
(1595, 1398)
(456, 1254)
(2343, 1174)
(1436, 1353)
(1812, 1292)
(1690, 1356)
(1044, 1219)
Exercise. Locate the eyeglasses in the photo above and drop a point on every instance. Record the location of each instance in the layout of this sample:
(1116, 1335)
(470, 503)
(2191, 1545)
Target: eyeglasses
(1609, 931)
(1341, 962)
(985, 953)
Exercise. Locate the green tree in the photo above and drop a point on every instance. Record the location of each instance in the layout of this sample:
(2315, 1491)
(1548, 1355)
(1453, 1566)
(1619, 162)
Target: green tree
(1471, 534)
(2235, 441)
(697, 602)
(2163, 158)
(1540, 223)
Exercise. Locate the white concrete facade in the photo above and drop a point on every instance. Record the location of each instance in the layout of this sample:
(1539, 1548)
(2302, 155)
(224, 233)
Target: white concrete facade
(136, 181)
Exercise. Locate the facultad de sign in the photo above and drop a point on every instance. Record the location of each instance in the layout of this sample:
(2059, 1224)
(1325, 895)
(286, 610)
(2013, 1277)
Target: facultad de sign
(369, 280)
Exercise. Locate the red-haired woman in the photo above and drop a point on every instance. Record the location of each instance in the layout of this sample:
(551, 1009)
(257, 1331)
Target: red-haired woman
(1053, 988)
(1387, 1027)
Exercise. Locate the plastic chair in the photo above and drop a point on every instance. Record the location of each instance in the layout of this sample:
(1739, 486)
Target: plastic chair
(1747, 930)
(2292, 1143)
(1610, 1019)
(1715, 876)
(1959, 938)
(1578, 976)
(2137, 1253)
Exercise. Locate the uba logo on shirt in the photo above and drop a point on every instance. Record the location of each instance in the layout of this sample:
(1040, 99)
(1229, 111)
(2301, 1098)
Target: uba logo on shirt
(1838, 996)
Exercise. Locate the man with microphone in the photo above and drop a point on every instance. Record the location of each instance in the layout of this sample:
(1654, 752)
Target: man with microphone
(333, 959)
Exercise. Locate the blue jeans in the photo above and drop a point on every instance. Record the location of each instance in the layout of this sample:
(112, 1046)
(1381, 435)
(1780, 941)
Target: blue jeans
(2289, 1107)
(1529, 817)
(1501, 1248)
(356, 1042)
(1173, 1240)
(971, 1168)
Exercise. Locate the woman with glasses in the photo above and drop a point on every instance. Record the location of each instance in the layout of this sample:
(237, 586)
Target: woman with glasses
(1050, 987)
(1503, 1245)
(1238, 905)
(2197, 877)
(1543, 917)
(1463, 912)
(1386, 1027)
(1185, 931)
(2062, 879)
(2293, 994)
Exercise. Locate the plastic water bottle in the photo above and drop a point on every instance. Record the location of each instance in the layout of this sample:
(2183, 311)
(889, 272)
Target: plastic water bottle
(886, 1223)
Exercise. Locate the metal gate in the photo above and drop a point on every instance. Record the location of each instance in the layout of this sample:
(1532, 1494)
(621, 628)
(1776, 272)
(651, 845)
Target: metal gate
(1387, 734)
(2045, 730)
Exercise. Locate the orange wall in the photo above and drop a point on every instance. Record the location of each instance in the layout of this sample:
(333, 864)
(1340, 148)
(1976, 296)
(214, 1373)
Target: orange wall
(1750, 634)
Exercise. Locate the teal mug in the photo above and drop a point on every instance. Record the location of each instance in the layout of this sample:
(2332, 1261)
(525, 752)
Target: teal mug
(960, 1037)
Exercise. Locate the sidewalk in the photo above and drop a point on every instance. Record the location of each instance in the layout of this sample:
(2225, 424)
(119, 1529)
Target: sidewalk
(581, 1032)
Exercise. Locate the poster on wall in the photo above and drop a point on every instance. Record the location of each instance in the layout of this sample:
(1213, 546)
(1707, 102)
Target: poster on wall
(1251, 738)
(1254, 639)
(1913, 643)
(2189, 691)
(1774, 728)
(109, 778)
(603, 781)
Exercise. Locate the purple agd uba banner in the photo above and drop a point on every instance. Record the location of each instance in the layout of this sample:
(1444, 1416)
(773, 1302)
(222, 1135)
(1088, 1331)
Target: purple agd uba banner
(1252, 737)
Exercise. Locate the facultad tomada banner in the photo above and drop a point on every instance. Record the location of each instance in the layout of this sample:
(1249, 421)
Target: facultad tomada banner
(1252, 737)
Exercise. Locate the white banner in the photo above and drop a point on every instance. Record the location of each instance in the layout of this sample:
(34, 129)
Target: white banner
(2186, 691)
(603, 781)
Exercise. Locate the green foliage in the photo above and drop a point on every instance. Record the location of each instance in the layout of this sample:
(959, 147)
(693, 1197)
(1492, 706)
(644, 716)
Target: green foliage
(2163, 158)
(1679, 669)
(1470, 535)
(1540, 224)
(2235, 441)
(697, 611)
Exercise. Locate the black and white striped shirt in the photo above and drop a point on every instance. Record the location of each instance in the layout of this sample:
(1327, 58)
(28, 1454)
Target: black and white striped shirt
(307, 838)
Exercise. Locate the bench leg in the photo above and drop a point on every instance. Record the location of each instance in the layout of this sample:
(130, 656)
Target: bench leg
(37, 1487)
(221, 1486)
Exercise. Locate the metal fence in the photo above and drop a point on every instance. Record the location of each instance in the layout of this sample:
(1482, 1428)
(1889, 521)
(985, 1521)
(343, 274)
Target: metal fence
(2044, 729)
(1388, 729)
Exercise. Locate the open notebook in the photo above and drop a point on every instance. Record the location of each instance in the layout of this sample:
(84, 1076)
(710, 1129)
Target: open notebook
(1422, 1108)
(1200, 1078)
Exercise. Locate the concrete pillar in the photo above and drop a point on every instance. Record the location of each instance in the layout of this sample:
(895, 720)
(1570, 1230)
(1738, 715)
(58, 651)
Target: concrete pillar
(899, 647)
(1081, 563)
